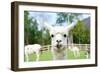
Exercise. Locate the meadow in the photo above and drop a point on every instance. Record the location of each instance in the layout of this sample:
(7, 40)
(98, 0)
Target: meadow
(47, 56)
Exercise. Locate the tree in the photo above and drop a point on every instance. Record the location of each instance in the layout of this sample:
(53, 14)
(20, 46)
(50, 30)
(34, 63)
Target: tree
(30, 28)
(32, 33)
(66, 17)
(26, 28)
(81, 33)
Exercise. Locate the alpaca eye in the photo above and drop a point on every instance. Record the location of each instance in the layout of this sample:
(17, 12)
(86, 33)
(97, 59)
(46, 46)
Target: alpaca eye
(64, 35)
(52, 35)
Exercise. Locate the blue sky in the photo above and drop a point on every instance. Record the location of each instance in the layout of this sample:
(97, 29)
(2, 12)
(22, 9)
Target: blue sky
(44, 16)
(50, 17)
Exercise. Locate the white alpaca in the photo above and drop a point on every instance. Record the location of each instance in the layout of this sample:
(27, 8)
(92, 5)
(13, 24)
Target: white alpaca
(59, 40)
(35, 48)
(75, 50)
(87, 52)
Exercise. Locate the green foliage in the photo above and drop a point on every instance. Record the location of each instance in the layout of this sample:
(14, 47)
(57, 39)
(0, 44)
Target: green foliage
(66, 17)
(26, 27)
(81, 33)
(32, 34)
(30, 29)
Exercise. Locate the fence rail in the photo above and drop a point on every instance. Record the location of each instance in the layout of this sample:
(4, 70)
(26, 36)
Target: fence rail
(80, 46)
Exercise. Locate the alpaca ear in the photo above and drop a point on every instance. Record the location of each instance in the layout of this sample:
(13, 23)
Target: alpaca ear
(47, 26)
(71, 26)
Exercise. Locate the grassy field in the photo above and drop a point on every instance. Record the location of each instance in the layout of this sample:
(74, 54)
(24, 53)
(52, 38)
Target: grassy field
(47, 56)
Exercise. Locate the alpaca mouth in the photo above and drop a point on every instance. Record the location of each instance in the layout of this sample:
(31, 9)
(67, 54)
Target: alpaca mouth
(58, 45)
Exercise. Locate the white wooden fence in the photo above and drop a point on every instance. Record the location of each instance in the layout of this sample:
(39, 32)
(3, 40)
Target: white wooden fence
(83, 47)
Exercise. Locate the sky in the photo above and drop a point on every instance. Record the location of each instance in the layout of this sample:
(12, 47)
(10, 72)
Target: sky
(50, 17)
(44, 16)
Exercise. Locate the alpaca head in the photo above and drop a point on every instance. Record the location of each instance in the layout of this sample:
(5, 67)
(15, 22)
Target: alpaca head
(59, 34)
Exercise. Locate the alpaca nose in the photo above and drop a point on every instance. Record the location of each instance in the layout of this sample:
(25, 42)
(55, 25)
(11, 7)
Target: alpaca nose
(58, 41)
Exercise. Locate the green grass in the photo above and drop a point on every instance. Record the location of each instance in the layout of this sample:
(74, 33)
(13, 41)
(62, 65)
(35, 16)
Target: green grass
(47, 56)
(71, 55)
